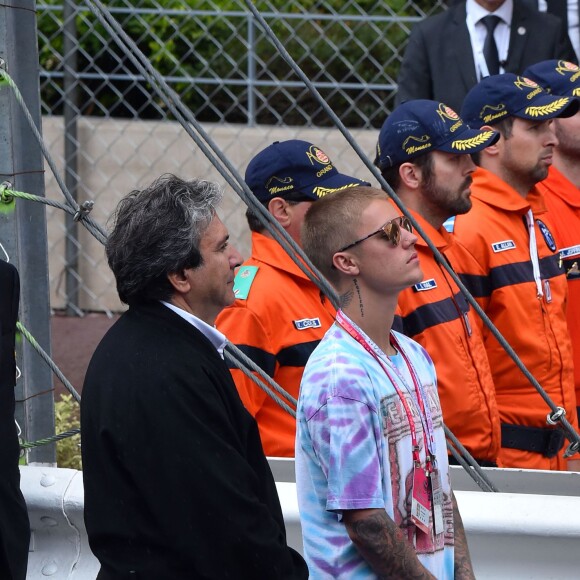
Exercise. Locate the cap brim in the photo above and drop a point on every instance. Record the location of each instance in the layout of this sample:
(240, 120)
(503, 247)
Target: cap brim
(469, 141)
(330, 184)
(547, 107)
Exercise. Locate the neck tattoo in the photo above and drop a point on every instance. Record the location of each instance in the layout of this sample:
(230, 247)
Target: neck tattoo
(360, 302)
(346, 298)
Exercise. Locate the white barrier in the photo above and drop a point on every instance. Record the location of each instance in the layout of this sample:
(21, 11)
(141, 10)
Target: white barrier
(530, 535)
(59, 547)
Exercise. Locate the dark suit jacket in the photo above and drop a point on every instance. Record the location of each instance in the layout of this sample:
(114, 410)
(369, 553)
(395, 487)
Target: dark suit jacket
(438, 63)
(14, 525)
(176, 482)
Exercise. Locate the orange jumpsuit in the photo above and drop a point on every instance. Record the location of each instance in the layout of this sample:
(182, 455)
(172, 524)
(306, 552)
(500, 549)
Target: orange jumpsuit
(496, 235)
(563, 202)
(277, 320)
(436, 315)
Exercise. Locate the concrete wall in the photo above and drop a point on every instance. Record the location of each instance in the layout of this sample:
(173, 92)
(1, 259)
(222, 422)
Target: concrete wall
(117, 156)
(533, 533)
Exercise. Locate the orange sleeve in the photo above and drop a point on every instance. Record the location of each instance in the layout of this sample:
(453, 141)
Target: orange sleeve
(242, 328)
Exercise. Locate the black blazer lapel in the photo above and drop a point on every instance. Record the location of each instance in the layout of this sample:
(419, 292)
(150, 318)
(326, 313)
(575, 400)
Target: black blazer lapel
(518, 39)
(463, 53)
(559, 8)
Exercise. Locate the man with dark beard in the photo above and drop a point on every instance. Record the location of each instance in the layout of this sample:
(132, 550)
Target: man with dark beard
(423, 153)
(519, 280)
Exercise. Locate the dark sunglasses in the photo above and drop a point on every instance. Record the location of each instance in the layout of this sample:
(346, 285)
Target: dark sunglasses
(391, 231)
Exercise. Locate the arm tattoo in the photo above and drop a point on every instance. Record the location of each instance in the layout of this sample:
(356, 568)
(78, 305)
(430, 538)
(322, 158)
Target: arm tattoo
(346, 298)
(463, 567)
(360, 302)
(385, 548)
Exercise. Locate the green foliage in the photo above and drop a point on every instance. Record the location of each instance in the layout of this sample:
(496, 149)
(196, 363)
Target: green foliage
(68, 451)
(202, 46)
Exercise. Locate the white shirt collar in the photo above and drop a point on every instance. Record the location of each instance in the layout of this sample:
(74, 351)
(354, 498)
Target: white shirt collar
(210, 332)
(477, 12)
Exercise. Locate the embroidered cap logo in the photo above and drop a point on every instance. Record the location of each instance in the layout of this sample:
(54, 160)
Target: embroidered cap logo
(491, 113)
(564, 67)
(276, 185)
(448, 114)
(543, 110)
(316, 155)
(472, 142)
(413, 144)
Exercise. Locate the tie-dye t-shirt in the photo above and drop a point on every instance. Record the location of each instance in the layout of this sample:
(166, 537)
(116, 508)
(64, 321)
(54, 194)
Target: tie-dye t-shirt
(353, 451)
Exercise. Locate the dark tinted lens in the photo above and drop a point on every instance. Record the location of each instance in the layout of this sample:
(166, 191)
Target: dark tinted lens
(406, 223)
(393, 232)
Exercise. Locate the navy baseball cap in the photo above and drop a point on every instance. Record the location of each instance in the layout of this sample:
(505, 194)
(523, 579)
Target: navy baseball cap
(498, 97)
(558, 77)
(294, 169)
(419, 126)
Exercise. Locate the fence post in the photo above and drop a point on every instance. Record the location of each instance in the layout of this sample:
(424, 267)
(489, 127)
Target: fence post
(251, 70)
(70, 113)
(23, 225)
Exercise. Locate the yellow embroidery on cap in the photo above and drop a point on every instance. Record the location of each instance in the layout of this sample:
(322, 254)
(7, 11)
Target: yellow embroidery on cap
(564, 67)
(491, 113)
(424, 143)
(446, 112)
(525, 83)
(315, 154)
(543, 110)
(472, 142)
(322, 191)
(276, 184)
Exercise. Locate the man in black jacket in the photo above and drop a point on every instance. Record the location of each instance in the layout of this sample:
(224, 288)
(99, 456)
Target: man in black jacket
(176, 482)
(14, 525)
(448, 53)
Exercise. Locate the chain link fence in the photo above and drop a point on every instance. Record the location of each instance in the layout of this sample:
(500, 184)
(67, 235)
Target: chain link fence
(110, 134)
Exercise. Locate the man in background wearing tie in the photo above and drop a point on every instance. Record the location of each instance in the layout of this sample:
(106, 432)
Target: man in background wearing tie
(449, 53)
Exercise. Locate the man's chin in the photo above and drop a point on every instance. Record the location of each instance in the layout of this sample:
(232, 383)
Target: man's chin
(230, 299)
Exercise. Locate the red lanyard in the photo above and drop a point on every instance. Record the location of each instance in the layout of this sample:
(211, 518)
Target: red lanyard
(428, 429)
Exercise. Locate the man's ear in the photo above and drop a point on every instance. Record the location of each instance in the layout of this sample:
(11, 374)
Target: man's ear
(410, 175)
(494, 149)
(278, 207)
(346, 263)
(180, 281)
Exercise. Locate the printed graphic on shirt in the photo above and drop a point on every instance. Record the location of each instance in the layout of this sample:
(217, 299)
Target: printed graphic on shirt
(307, 323)
(396, 429)
(503, 246)
(340, 421)
(548, 237)
(425, 285)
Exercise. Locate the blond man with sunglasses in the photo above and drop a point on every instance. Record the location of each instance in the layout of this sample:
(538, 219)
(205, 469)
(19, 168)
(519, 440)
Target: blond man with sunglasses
(371, 464)
(434, 181)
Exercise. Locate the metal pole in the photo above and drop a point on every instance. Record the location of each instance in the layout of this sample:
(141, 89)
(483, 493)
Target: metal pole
(23, 225)
(251, 70)
(70, 113)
